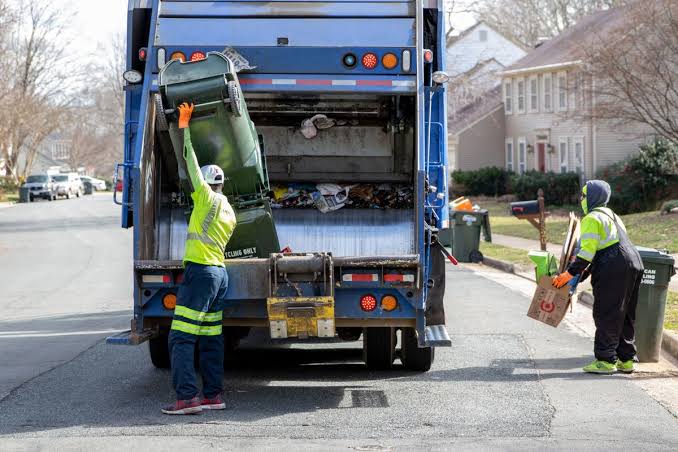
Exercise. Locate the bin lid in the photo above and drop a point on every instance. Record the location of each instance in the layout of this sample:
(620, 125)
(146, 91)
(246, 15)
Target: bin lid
(655, 256)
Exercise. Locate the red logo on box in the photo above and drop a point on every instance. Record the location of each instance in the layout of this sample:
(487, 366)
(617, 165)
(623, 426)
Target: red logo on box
(547, 306)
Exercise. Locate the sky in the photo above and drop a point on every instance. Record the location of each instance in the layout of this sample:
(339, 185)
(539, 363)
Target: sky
(95, 21)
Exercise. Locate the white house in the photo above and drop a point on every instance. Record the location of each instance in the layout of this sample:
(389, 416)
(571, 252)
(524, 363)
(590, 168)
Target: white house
(542, 93)
(481, 43)
(475, 60)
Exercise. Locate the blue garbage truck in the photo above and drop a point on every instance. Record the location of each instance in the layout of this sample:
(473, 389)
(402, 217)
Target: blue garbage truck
(347, 94)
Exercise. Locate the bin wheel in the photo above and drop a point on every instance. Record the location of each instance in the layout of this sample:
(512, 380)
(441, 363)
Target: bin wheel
(159, 349)
(379, 345)
(476, 256)
(234, 98)
(413, 357)
(160, 117)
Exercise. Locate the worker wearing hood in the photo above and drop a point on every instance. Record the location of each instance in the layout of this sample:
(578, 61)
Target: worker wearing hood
(616, 270)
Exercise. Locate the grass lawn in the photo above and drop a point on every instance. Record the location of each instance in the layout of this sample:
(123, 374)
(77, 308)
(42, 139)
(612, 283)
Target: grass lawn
(645, 229)
(10, 197)
(507, 254)
(671, 315)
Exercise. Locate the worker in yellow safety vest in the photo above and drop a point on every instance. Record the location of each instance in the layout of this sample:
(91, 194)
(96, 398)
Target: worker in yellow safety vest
(616, 271)
(199, 311)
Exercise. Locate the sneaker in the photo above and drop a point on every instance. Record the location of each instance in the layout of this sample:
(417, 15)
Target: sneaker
(214, 403)
(625, 366)
(191, 406)
(600, 367)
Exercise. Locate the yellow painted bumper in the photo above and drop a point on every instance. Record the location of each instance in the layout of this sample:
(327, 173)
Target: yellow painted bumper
(301, 317)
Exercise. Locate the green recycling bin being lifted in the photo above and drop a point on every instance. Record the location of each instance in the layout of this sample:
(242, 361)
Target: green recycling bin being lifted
(223, 134)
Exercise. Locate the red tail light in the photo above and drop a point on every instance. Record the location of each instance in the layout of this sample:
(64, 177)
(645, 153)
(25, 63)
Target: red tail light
(143, 54)
(370, 60)
(195, 56)
(368, 303)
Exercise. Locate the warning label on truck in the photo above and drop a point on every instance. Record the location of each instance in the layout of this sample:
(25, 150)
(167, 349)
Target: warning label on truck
(242, 253)
(649, 277)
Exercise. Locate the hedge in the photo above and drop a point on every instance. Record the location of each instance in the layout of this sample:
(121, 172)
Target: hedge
(640, 183)
(490, 181)
(559, 189)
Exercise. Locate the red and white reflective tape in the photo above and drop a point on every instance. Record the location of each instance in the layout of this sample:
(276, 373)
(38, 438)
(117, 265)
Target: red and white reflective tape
(156, 279)
(360, 277)
(396, 277)
(327, 82)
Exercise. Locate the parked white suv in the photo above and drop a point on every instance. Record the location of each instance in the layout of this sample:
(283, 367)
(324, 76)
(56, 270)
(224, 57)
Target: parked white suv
(68, 185)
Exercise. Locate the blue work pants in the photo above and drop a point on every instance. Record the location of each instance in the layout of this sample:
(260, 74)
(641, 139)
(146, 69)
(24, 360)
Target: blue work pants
(197, 320)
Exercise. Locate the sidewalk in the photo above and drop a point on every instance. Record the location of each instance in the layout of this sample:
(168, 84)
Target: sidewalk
(529, 245)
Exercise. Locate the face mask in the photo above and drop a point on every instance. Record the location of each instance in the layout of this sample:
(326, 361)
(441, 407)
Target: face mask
(584, 204)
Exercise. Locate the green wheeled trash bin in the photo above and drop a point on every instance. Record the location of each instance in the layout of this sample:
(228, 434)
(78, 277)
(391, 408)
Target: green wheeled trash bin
(25, 194)
(466, 226)
(659, 268)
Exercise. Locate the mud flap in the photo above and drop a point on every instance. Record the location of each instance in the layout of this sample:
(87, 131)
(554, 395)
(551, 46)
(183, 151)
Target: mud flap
(435, 308)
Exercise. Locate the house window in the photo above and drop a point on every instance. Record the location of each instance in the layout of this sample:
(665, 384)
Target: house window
(534, 94)
(508, 97)
(562, 155)
(548, 92)
(562, 91)
(61, 150)
(579, 155)
(521, 96)
(509, 154)
(482, 34)
(522, 155)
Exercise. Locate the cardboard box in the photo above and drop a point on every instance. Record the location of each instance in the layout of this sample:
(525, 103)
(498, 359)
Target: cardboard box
(549, 304)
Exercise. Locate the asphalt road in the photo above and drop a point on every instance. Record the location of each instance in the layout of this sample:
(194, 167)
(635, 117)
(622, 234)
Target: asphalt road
(508, 381)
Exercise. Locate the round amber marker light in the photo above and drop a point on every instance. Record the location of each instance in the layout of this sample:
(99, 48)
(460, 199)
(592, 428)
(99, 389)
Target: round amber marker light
(389, 303)
(169, 301)
(389, 61)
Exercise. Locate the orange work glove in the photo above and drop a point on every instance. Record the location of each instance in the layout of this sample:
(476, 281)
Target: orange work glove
(185, 112)
(561, 279)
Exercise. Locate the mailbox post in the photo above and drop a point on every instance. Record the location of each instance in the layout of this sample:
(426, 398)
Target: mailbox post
(533, 211)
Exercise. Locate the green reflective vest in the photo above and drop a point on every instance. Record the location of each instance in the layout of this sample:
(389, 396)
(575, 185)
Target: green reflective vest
(598, 232)
(212, 220)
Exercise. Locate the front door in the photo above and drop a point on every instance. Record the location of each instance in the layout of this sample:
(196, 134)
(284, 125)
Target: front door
(541, 157)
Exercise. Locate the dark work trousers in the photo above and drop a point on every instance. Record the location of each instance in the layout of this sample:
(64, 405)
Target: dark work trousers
(616, 273)
(203, 290)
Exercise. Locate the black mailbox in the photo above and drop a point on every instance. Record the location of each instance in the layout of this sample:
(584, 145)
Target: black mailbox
(525, 208)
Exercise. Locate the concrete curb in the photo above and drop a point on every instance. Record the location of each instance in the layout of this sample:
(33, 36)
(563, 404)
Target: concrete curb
(669, 338)
(499, 265)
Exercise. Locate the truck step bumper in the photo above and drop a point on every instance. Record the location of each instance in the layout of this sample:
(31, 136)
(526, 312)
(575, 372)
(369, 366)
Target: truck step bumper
(437, 336)
(131, 338)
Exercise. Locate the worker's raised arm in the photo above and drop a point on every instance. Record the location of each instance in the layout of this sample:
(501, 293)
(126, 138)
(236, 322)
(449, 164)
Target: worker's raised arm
(185, 112)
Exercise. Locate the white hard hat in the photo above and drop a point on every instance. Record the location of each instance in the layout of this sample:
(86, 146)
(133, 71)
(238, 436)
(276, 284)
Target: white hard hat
(212, 174)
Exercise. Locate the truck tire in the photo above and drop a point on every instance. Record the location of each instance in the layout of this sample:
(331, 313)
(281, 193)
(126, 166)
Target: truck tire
(234, 98)
(159, 349)
(160, 117)
(379, 347)
(413, 357)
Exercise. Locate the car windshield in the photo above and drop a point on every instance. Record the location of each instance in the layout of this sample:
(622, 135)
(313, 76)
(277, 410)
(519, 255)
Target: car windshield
(33, 179)
(85, 178)
(60, 178)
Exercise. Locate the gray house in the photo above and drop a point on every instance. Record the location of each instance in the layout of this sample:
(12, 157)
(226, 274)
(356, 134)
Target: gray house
(542, 93)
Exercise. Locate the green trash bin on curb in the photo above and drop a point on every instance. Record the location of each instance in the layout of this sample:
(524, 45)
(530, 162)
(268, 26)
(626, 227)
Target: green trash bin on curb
(24, 194)
(465, 229)
(659, 268)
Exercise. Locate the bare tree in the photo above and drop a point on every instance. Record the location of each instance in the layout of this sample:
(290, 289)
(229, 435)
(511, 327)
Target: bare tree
(95, 125)
(37, 84)
(631, 69)
(528, 21)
